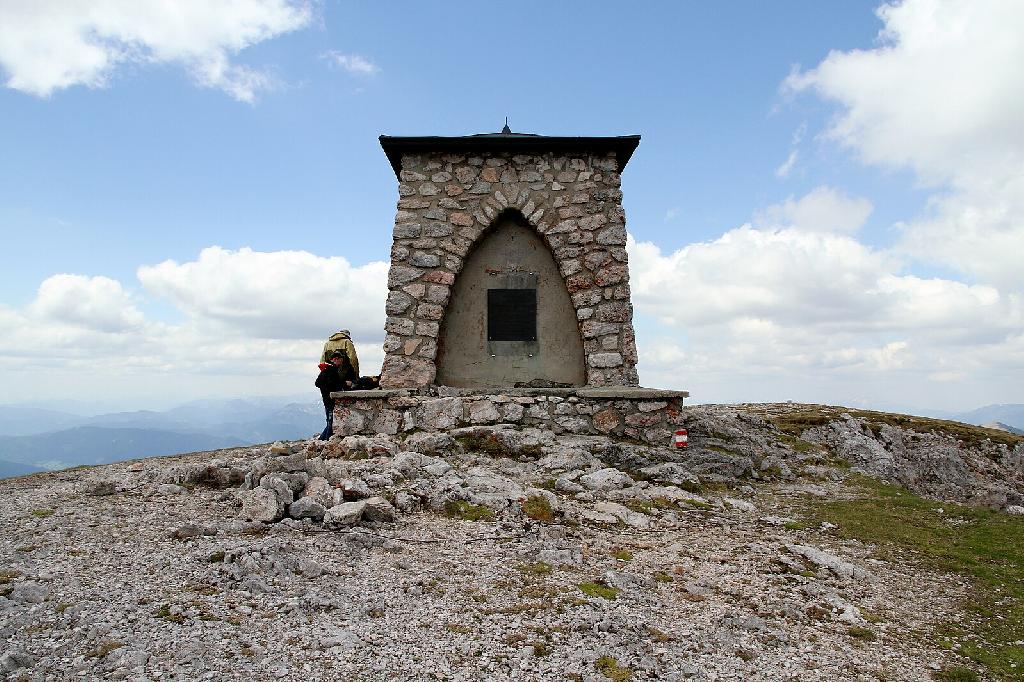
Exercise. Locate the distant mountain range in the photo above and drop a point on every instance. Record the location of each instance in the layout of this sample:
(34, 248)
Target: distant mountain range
(1009, 415)
(98, 445)
(9, 469)
(34, 439)
(1004, 427)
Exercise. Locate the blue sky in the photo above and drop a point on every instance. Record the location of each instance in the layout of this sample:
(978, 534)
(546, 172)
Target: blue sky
(256, 128)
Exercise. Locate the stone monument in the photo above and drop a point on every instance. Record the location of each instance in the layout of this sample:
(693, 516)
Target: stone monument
(508, 289)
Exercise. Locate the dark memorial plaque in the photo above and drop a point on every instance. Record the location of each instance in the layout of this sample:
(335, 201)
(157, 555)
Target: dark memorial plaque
(511, 314)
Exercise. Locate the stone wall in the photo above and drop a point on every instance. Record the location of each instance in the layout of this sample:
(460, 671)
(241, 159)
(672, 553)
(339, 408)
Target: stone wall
(447, 201)
(648, 415)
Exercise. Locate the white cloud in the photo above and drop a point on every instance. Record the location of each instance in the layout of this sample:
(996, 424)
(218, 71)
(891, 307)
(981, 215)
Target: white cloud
(278, 295)
(783, 170)
(253, 322)
(352, 63)
(798, 134)
(786, 275)
(671, 214)
(809, 282)
(784, 312)
(824, 209)
(48, 45)
(786, 167)
(978, 230)
(93, 303)
(941, 94)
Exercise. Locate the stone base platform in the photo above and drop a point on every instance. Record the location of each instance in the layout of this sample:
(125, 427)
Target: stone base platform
(645, 414)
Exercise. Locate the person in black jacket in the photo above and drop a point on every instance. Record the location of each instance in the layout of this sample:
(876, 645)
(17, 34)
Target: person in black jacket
(335, 375)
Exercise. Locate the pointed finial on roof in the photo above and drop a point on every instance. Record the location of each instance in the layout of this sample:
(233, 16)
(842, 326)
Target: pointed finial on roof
(506, 130)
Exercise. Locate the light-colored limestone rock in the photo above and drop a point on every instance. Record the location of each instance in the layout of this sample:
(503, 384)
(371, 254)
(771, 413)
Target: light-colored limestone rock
(379, 509)
(261, 504)
(483, 412)
(842, 569)
(623, 514)
(605, 479)
(344, 514)
(306, 508)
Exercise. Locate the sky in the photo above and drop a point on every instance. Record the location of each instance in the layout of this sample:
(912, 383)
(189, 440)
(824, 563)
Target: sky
(827, 204)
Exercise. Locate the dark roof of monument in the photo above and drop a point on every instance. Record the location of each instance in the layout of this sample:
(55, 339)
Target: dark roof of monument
(507, 141)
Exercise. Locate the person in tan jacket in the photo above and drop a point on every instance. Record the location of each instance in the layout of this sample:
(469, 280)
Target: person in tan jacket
(341, 340)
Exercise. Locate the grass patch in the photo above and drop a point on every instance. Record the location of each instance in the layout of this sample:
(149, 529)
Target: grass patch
(610, 668)
(539, 568)
(538, 508)
(659, 635)
(42, 513)
(538, 592)
(458, 628)
(986, 547)
(637, 475)
(204, 589)
(795, 423)
(599, 590)
(623, 555)
(662, 577)
(467, 511)
(164, 613)
(956, 674)
(8, 576)
(871, 616)
(797, 444)
(514, 638)
(541, 649)
(104, 648)
(490, 444)
(651, 506)
(862, 633)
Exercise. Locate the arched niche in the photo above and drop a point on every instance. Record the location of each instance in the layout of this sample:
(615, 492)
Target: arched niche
(509, 319)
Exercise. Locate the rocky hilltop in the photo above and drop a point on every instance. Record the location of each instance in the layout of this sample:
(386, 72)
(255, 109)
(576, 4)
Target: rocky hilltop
(504, 553)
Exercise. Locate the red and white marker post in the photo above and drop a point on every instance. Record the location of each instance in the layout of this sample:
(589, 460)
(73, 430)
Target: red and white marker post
(681, 438)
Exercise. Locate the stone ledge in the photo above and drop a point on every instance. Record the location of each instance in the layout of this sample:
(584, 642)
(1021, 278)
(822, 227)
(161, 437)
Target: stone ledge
(453, 392)
(608, 392)
(380, 393)
(637, 392)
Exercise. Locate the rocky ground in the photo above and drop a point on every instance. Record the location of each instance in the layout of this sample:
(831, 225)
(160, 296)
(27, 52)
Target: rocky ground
(485, 553)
